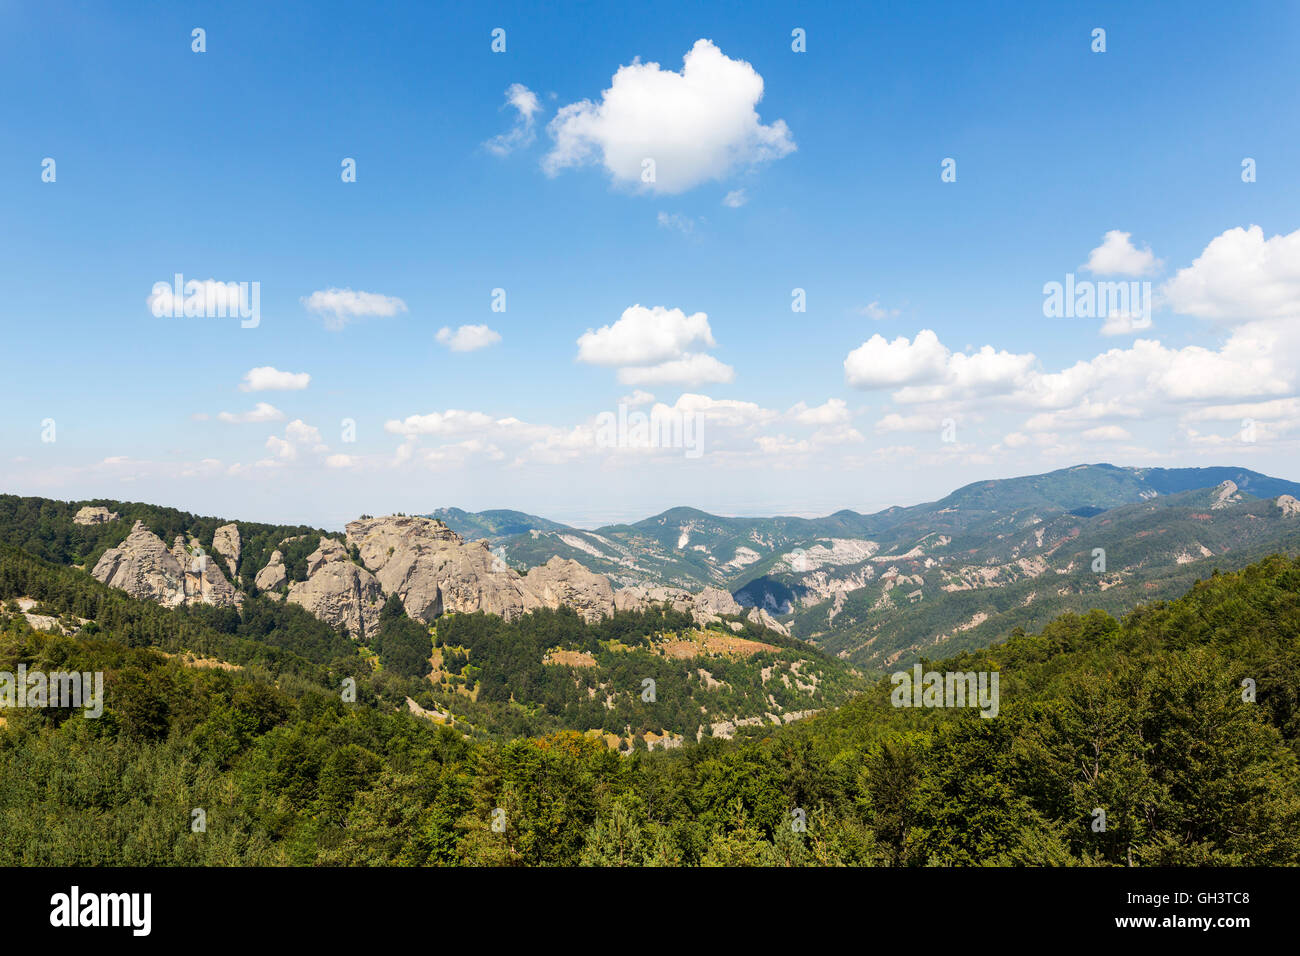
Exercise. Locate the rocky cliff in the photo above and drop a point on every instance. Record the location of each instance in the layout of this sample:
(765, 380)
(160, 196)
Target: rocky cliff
(94, 514)
(433, 570)
(143, 567)
(338, 591)
(430, 568)
(225, 541)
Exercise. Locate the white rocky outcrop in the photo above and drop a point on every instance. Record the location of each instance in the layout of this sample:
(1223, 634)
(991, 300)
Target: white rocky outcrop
(95, 514)
(565, 581)
(273, 575)
(143, 567)
(225, 541)
(706, 607)
(1225, 493)
(760, 617)
(338, 591)
(434, 571)
(430, 568)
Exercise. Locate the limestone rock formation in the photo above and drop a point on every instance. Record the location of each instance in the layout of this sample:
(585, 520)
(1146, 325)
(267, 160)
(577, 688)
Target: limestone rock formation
(95, 514)
(560, 581)
(433, 570)
(273, 575)
(337, 591)
(202, 579)
(706, 607)
(760, 617)
(716, 601)
(225, 541)
(1289, 505)
(144, 568)
(639, 598)
(1225, 494)
(428, 566)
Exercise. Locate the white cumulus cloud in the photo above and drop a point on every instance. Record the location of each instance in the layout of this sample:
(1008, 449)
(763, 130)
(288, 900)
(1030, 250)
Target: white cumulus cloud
(696, 125)
(879, 363)
(1117, 256)
(338, 307)
(265, 378)
(1240, 275)
(261, 412)
(467, 338)
(656, 346)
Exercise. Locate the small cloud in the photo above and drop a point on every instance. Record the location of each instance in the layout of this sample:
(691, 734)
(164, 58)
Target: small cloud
(874, 310)
(468, 338)
(683, 224)
(338, 307)
(1117, 256)
(637, 397)
(735, 199)
(261, 412)
(1122, 323)
(834, 412)
(524, 101)
(265, 378)
(339, 461)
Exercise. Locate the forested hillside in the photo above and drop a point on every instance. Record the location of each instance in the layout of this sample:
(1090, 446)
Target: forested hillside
(1145, 718)
(45, 527)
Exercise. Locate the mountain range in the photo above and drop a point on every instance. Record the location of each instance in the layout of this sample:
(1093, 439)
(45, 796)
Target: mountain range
(884, 589)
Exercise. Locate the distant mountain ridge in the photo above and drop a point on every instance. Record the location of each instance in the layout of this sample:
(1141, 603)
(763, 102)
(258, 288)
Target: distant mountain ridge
(883, 588)
(1104, 486)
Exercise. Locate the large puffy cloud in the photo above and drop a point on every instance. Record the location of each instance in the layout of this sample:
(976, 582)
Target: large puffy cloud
(655, 346)
(1248, 365)
(644, 336)
(338, 307)
(1117, 256)
(879, 363)
(1240, 276)
(696, 125)
(988, 369)
(1253, 362)
(931, 371)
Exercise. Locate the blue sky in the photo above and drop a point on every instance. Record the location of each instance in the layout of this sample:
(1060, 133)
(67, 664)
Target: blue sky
(225, 165)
